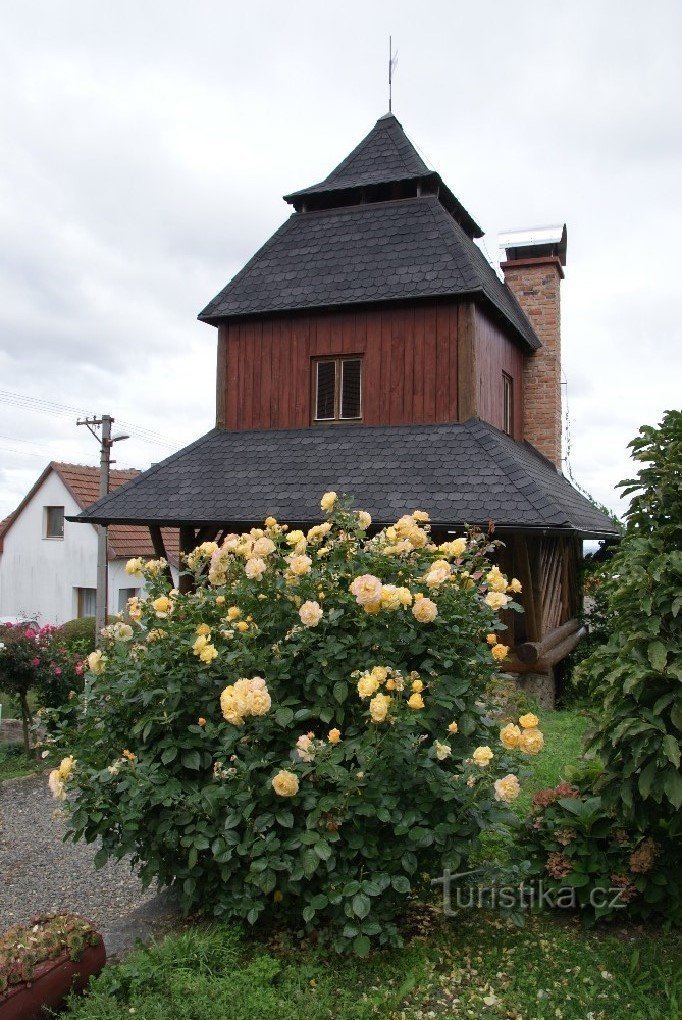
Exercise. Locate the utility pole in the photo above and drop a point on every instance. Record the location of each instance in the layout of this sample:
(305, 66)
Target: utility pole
(105, 442)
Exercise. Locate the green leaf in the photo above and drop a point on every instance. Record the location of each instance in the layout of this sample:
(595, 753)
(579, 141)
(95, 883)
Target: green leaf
(285, 818)
(658, 655)
(671, 749)
(310, 862)
(340, 691)
(284, 716)
(191, 760)
(672, 787)
(361, 905)
(361, 946)
(647, 777)
(169, 754)
(401, 883)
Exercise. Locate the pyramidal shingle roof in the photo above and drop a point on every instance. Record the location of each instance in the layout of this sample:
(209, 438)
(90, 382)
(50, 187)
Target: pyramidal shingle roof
(382, 226)
(383, 156)
(464, 473)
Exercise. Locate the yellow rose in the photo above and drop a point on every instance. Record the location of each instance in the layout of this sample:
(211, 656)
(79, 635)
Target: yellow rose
(417, 686)
(496, 580)
(529, 721)
(491, 639)
(334, 736)
(96, 662)
(373, 608)
(390, 597)
(509, 735)
(496, 600)
(499, 652)
(378, 707)
(531, 741)
(220, 600)
(457, 547)
(318, 532)
(415, 702)
(443, 751)
(310, 614)
(507, 789)
(364, 519)
(285, 783)
(298, 564)
(391, 685)
(270, 522)
(420, 515)
(367, 685)
(391, 535)
(163, 607)
(201, 721)
(482, 756)
(405, 597)
(327, 502)
(208, 653)
(294, 537)
(134, 567)
(233, 613)
(379, 673)
(367, 589)
(453, 728)
(264, 547)
(424, 610)
(203, 628)
(438, 573)
(242, 626)
(56, 785)
(515, 585)
(66, 767)
(255, 568)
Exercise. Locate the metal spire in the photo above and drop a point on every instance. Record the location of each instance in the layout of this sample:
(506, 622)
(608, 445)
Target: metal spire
(392, 63)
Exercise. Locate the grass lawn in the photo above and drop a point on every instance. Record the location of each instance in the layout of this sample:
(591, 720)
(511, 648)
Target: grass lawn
(472, 966)
(13, 762)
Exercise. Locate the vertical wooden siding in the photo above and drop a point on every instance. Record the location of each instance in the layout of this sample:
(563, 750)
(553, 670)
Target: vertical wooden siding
(495, 354)
(409, 365)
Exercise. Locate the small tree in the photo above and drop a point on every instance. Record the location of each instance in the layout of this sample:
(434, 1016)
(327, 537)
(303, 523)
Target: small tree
(636, 676)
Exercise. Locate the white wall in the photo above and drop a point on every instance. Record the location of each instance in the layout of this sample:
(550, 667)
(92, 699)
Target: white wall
(38, 576)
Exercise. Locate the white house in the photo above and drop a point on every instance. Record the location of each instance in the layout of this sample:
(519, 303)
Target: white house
(48, 565)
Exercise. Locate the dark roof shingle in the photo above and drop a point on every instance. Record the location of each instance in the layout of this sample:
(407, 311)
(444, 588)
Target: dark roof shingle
(411, 248)
(461, 473)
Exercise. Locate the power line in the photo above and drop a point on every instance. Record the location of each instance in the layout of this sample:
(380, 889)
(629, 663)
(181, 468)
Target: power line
(41, 406)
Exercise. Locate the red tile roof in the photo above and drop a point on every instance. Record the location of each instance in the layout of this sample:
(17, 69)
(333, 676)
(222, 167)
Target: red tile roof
(82, 481)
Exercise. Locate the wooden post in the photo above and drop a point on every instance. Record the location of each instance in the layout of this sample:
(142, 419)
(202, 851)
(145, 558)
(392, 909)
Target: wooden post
(187, 543)
(156, 536)
(467, 373)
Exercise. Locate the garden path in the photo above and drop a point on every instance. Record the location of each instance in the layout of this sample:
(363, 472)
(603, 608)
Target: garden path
(39, 873)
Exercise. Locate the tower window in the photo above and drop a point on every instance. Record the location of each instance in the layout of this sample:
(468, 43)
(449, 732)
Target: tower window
(337, 389)
(54, 522)
(507, 404)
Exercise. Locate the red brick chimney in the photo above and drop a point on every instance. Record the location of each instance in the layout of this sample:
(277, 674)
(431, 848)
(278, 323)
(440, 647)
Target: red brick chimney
(533, 271)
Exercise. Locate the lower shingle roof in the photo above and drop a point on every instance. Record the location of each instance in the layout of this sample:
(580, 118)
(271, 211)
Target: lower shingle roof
(461, 473)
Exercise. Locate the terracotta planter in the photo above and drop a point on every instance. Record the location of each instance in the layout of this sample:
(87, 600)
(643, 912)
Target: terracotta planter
(51, 983)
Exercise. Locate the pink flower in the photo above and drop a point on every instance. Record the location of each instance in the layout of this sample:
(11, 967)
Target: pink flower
(35, 662)
(79, 668)
(29, 633)
(57, 671)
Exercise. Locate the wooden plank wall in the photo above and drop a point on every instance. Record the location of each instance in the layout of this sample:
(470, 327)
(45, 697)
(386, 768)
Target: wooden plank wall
(409, 365)
(495, 354)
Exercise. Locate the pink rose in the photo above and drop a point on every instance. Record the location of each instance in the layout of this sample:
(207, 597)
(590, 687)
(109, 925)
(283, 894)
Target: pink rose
(35, 662)
(79, 668)
(29, 633)
(57, 671)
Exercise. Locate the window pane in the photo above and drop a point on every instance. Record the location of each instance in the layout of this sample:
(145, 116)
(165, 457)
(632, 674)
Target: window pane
(350, 389)
(87, 601)
(326, 386)
(123, 595)
(54, 527)
(508, 408)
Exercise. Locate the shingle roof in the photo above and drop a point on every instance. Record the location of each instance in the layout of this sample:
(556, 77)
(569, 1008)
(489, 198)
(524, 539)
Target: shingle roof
(384, 155)
(82, 481)
(460, 473)
(411, 248)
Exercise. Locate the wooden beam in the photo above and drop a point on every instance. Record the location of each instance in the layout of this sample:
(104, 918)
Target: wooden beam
(156, 536)
(467, 375)
(187, 543)
(530, 651)
(560, 651)
(527, 576)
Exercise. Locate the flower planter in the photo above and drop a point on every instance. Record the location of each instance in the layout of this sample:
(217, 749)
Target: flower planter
(51, 982)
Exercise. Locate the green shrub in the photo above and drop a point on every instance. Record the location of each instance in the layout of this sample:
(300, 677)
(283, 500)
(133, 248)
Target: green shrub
(79, 635)
(583, 852)
(636, 675)
(334, 779)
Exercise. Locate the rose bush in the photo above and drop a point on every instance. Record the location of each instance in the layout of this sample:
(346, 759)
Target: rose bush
(305, 733)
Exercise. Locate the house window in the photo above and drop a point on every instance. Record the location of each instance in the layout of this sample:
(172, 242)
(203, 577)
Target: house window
(54, 522)
(507, 404)
(123, 595)
(86, 602)
(337, 389)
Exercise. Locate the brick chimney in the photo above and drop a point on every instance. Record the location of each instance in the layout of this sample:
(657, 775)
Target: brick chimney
(533, 271)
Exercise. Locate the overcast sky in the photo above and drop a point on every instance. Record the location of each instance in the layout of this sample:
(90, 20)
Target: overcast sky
(146, 146)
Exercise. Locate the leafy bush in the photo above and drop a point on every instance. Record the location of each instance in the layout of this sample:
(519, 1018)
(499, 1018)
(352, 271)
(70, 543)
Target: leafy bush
(582, 851)
(79, 635)
(636, 675)
(305, 734)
